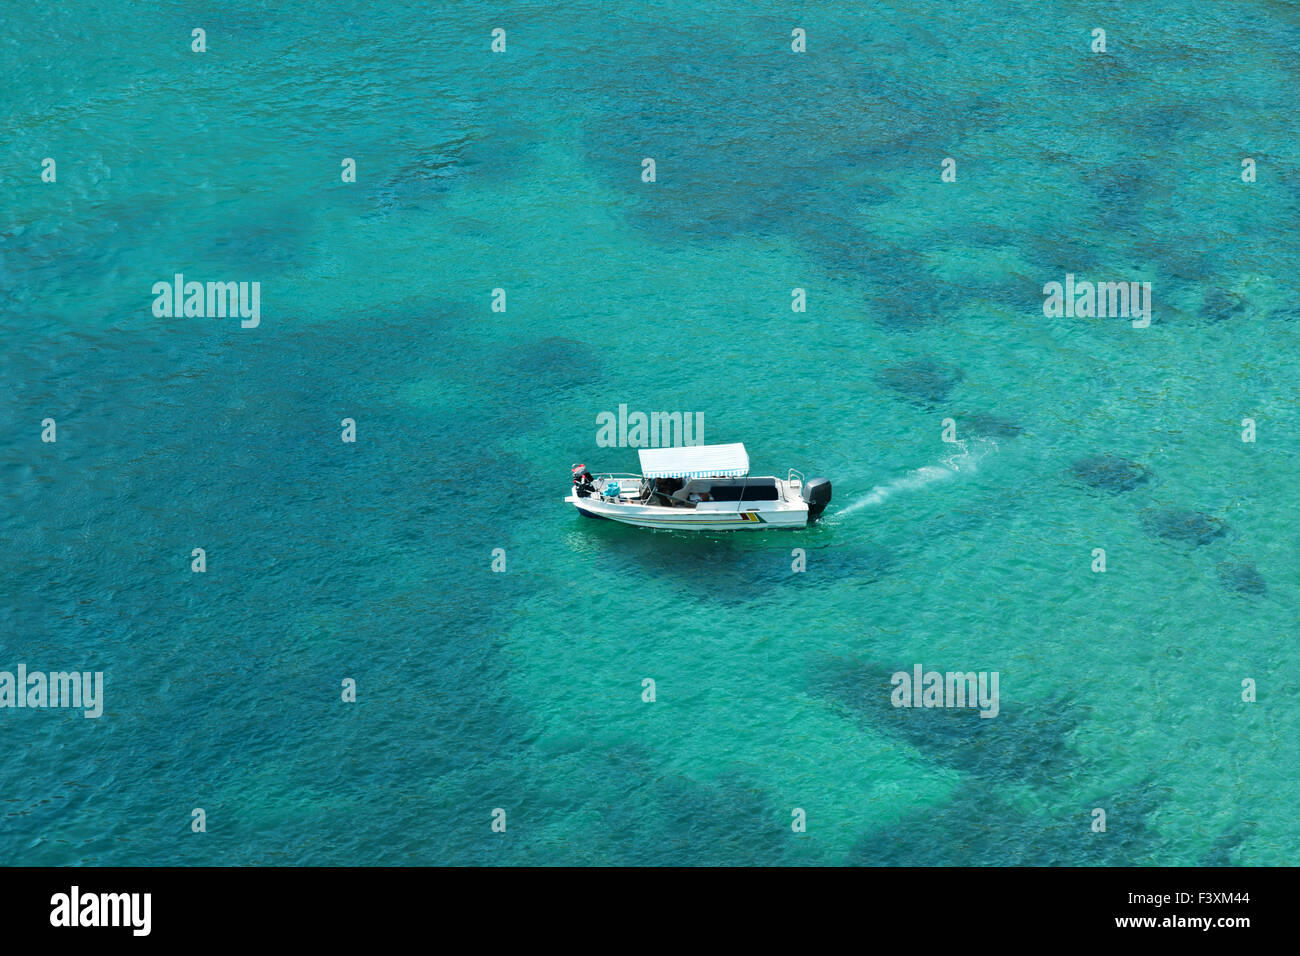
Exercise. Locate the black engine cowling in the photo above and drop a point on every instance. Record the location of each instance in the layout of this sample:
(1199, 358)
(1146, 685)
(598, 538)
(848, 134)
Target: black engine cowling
(582, 481)
(817, 492)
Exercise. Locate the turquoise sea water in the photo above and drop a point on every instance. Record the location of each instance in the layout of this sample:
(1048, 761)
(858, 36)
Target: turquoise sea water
(522, 690)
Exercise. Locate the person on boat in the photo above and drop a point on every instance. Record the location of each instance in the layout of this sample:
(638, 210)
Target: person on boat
(666, 488)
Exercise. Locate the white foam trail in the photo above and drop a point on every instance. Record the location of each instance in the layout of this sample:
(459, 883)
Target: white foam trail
(966, 459)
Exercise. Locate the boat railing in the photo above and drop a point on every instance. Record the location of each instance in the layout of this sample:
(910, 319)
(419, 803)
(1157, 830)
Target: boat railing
(794, 482)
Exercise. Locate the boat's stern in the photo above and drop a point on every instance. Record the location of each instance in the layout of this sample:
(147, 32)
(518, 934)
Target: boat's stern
(592, 494)
(817, 493)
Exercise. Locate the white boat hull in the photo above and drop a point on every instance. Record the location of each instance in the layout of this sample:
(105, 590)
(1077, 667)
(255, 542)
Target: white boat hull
(706, 516)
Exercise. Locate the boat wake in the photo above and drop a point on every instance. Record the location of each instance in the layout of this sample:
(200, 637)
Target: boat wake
(966, 459)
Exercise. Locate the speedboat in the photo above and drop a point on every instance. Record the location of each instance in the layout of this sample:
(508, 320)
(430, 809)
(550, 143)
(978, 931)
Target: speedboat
(699, 488)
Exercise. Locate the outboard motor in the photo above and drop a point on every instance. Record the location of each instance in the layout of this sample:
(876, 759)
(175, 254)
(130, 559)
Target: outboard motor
(582, 481)
(817, 492)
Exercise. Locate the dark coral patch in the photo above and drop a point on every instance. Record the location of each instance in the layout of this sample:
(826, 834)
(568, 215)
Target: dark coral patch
(418, 184)
(1219, 305)
(555, 363)
(1242, 577)
(924, 381)
(980, 828)
(1110, 473)
(1192, 528)
(1226, 846)
(1033, 739)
